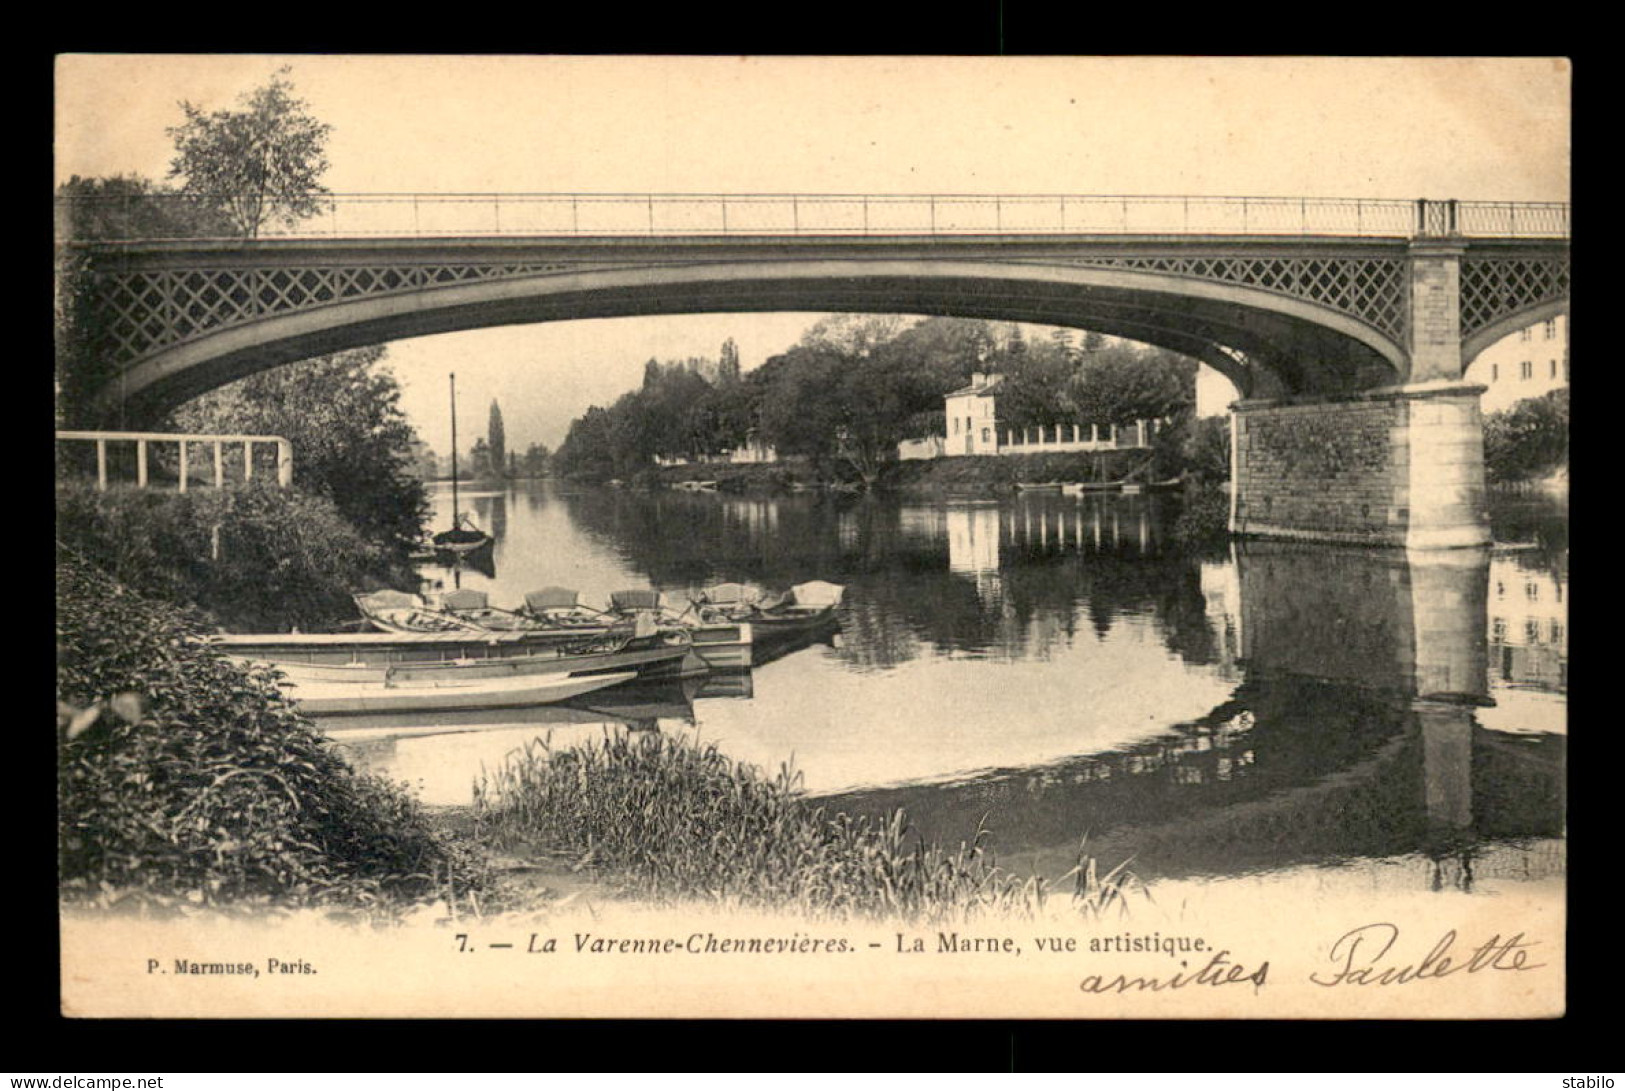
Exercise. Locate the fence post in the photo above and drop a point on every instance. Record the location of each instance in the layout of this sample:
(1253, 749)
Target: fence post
(101, 465)
(183, 465)
(141, 463)
(219, 467)
(284, 463)
(248, 461)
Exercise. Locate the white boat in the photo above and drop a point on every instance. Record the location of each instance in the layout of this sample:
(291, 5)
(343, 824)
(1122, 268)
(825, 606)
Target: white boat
(725, 643)
(363, 693)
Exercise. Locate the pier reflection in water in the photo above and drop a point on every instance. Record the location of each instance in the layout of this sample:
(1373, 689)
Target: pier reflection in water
(1054, 666)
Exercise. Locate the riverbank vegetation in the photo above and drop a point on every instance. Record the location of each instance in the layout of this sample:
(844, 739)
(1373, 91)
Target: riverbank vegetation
(252, 559)
(676, 820)
(352, 443)
(186, 780)
(855, 386)
(1529, 441)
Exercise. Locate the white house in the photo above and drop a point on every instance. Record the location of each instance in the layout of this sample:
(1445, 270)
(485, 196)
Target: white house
(1526, 364)
(973, 417)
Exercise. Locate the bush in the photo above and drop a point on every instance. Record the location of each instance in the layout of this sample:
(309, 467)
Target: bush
(184, 778)
(1207, 450)
(286, 558)
(1529, 440)
(1204, 516)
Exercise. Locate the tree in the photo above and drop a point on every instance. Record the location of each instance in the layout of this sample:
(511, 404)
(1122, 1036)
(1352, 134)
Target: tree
(1529, 439)
(728, 365)
(535, 462)
(853, 392)
(258, 164)
(351, 442)
(1124, 384)
(479, 457)
(497, 439)
(131, 207)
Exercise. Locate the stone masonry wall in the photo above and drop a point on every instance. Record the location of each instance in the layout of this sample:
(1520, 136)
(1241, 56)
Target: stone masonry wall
(1328, 472)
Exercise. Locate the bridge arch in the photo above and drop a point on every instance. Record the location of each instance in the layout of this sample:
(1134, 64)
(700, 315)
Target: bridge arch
(1485, 336)
(1264, 341)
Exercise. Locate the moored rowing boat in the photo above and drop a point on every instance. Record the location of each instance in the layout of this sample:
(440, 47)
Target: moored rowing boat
(480, 655)
(355, 697)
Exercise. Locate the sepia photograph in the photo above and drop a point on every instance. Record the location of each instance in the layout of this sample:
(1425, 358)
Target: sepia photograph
(811, 537)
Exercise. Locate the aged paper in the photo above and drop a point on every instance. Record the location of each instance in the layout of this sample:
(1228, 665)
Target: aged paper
(1412, 941)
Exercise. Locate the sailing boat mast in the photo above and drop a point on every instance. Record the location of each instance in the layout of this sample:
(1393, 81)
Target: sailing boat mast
(455, 516)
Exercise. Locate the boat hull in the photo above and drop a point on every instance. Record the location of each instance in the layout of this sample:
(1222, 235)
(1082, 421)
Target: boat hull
(724, 646)
(328, 698)
(422, 655)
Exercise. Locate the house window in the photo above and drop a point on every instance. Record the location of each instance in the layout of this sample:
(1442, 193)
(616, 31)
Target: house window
(1554, 369)
(986, 436)
(1551, 328)
(1531, 591)
(1525, 334)
(1498, 630)
(1526, 370)
(1495, 372)
(1557, 632)
(1531, 632)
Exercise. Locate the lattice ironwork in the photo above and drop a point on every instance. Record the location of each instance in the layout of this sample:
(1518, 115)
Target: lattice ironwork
(1493, 288)
(1374, 290)
(141, 312)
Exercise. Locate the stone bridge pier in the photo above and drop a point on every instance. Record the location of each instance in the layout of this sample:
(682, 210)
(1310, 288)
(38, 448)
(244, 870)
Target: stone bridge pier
(1399, 465)
(1407, 624)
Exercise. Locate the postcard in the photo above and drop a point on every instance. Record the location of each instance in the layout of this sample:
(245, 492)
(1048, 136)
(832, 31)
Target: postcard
(887, 537)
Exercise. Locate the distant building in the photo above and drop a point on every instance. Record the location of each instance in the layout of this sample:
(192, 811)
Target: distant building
(973, 429)
(973, 417)
(1528, 615)
(1527, 364)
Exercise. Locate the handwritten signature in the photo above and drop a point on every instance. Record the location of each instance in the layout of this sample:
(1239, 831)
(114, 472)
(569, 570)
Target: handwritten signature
(1362, 957)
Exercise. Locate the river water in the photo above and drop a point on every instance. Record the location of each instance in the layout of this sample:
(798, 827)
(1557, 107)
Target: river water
(1046, 667)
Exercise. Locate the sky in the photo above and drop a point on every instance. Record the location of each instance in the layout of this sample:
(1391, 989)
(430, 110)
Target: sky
(1467, 128)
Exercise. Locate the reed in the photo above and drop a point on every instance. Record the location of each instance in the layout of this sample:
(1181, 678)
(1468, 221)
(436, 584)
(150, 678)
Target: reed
(680, 820)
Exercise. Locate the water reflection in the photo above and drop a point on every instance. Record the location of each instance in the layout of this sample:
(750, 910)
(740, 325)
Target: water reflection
(1056, 666)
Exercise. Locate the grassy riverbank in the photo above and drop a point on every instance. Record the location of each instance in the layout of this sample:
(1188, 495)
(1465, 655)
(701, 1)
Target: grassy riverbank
(672, 820)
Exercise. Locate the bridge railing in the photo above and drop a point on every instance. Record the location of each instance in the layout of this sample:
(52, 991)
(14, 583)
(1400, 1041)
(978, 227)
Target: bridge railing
(186, 443)
(541, 215)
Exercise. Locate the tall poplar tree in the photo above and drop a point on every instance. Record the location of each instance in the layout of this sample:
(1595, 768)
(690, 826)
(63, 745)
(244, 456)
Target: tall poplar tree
(497, 441)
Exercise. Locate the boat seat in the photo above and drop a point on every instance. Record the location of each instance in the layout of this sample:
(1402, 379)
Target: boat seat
(817, 593)
(636, 600)
(729, 594)
(465, 598)
(552, 598)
